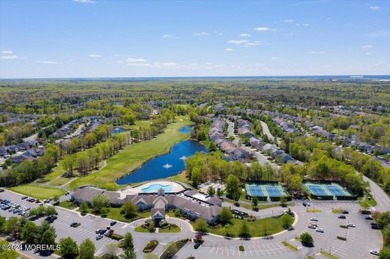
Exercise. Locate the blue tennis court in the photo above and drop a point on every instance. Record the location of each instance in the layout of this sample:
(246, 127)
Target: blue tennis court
(327, 190)
(265, 190)
(317, 190)
(273, 191)
(337, 190)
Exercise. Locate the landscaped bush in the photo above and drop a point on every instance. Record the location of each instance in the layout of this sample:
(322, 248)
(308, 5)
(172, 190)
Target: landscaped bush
(343, 226)
(342, 238)
(173, 248)
(241, 248)
(150, 246)
(116, 236)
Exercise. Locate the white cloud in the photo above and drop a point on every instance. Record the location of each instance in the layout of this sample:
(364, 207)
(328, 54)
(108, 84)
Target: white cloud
(85, 1)
(95, 56)
(288, 20)
(7, 52)
(237, 42)
(245, 35)
(9, 57)
(275, 58)
(302, 24)
(367, 47)
(379, 34)
(229, 49)
(316, 52)
(168, 36)
(136, 60)
(200, 34)
(375, 7)
(48, 62)
(252, 43)
(262, 29)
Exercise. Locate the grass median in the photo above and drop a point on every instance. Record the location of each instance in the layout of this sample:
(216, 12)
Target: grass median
(133, 156)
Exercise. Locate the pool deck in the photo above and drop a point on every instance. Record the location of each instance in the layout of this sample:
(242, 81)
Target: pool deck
(136, 190)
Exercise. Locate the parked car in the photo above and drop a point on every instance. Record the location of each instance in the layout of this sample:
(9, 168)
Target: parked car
(75, 224)
(314, 219)
(344, 212)
(1, 190)
(24, 197)
(342, 217)
(351, 225)
(291, 228)
(321, 230)
(375, 225)
(374, 252)
(369, 218)
(312, 226)
(98, 237)
(112, 223)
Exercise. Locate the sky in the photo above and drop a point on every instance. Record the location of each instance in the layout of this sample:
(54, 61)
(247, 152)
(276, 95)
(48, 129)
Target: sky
(167, 38)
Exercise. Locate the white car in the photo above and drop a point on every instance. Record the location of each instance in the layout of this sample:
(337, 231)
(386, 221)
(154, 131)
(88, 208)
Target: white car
(321, 230)
(350, 225)
(314, 219)
(374, 252)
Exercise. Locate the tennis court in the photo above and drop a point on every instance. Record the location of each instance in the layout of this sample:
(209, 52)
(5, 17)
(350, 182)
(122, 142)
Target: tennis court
(328, 191)
(265, 190)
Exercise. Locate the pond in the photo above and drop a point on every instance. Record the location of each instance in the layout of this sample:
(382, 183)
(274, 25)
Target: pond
(186, 129)
(165, 165)
(117, 130)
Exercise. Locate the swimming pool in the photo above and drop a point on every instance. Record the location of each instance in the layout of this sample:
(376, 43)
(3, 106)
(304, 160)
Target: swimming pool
(155, 187)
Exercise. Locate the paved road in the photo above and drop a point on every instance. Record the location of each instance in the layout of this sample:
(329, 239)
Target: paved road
(382, 199)
(260, 157)
(266, 130)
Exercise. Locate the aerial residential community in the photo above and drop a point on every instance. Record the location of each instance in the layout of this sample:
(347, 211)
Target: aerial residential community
(194, 129)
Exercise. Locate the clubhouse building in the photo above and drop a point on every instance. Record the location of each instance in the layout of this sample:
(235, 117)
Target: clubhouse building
(158, 197)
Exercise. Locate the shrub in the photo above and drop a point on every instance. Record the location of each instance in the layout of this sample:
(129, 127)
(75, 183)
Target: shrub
(152, 244)
(341, 238)
(241, 248)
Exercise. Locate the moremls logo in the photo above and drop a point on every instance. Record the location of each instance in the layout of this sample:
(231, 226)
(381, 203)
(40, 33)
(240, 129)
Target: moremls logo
(30, 247)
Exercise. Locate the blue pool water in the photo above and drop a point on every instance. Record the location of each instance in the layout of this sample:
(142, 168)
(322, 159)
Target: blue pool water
(165, 165)
(117, 130)
(186, 129)
(155, 187)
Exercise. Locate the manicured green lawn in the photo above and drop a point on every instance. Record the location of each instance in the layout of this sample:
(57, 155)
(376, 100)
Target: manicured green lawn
(40, 192)
(173, 229)
(258, 228)
(114, 213)
(134, 155)
(67, 205)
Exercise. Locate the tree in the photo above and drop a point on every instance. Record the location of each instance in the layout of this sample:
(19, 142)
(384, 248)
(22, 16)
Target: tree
(7, 253)
(127, 242)
(232, 185)
(211, 191)
(128, 254)
(30, 232)
(50, 210)
(383, 219)
(99, 202)
(255, 202)
(286, 220)
(283, 201)
(68, 248)
(129, 209)
(87, 249)
(49, 237)
(111, 250)
(306, 239)
(225, 216)
(201, 225)
(244, 230)
(84, 207)
(219, 192)
(68, 164)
